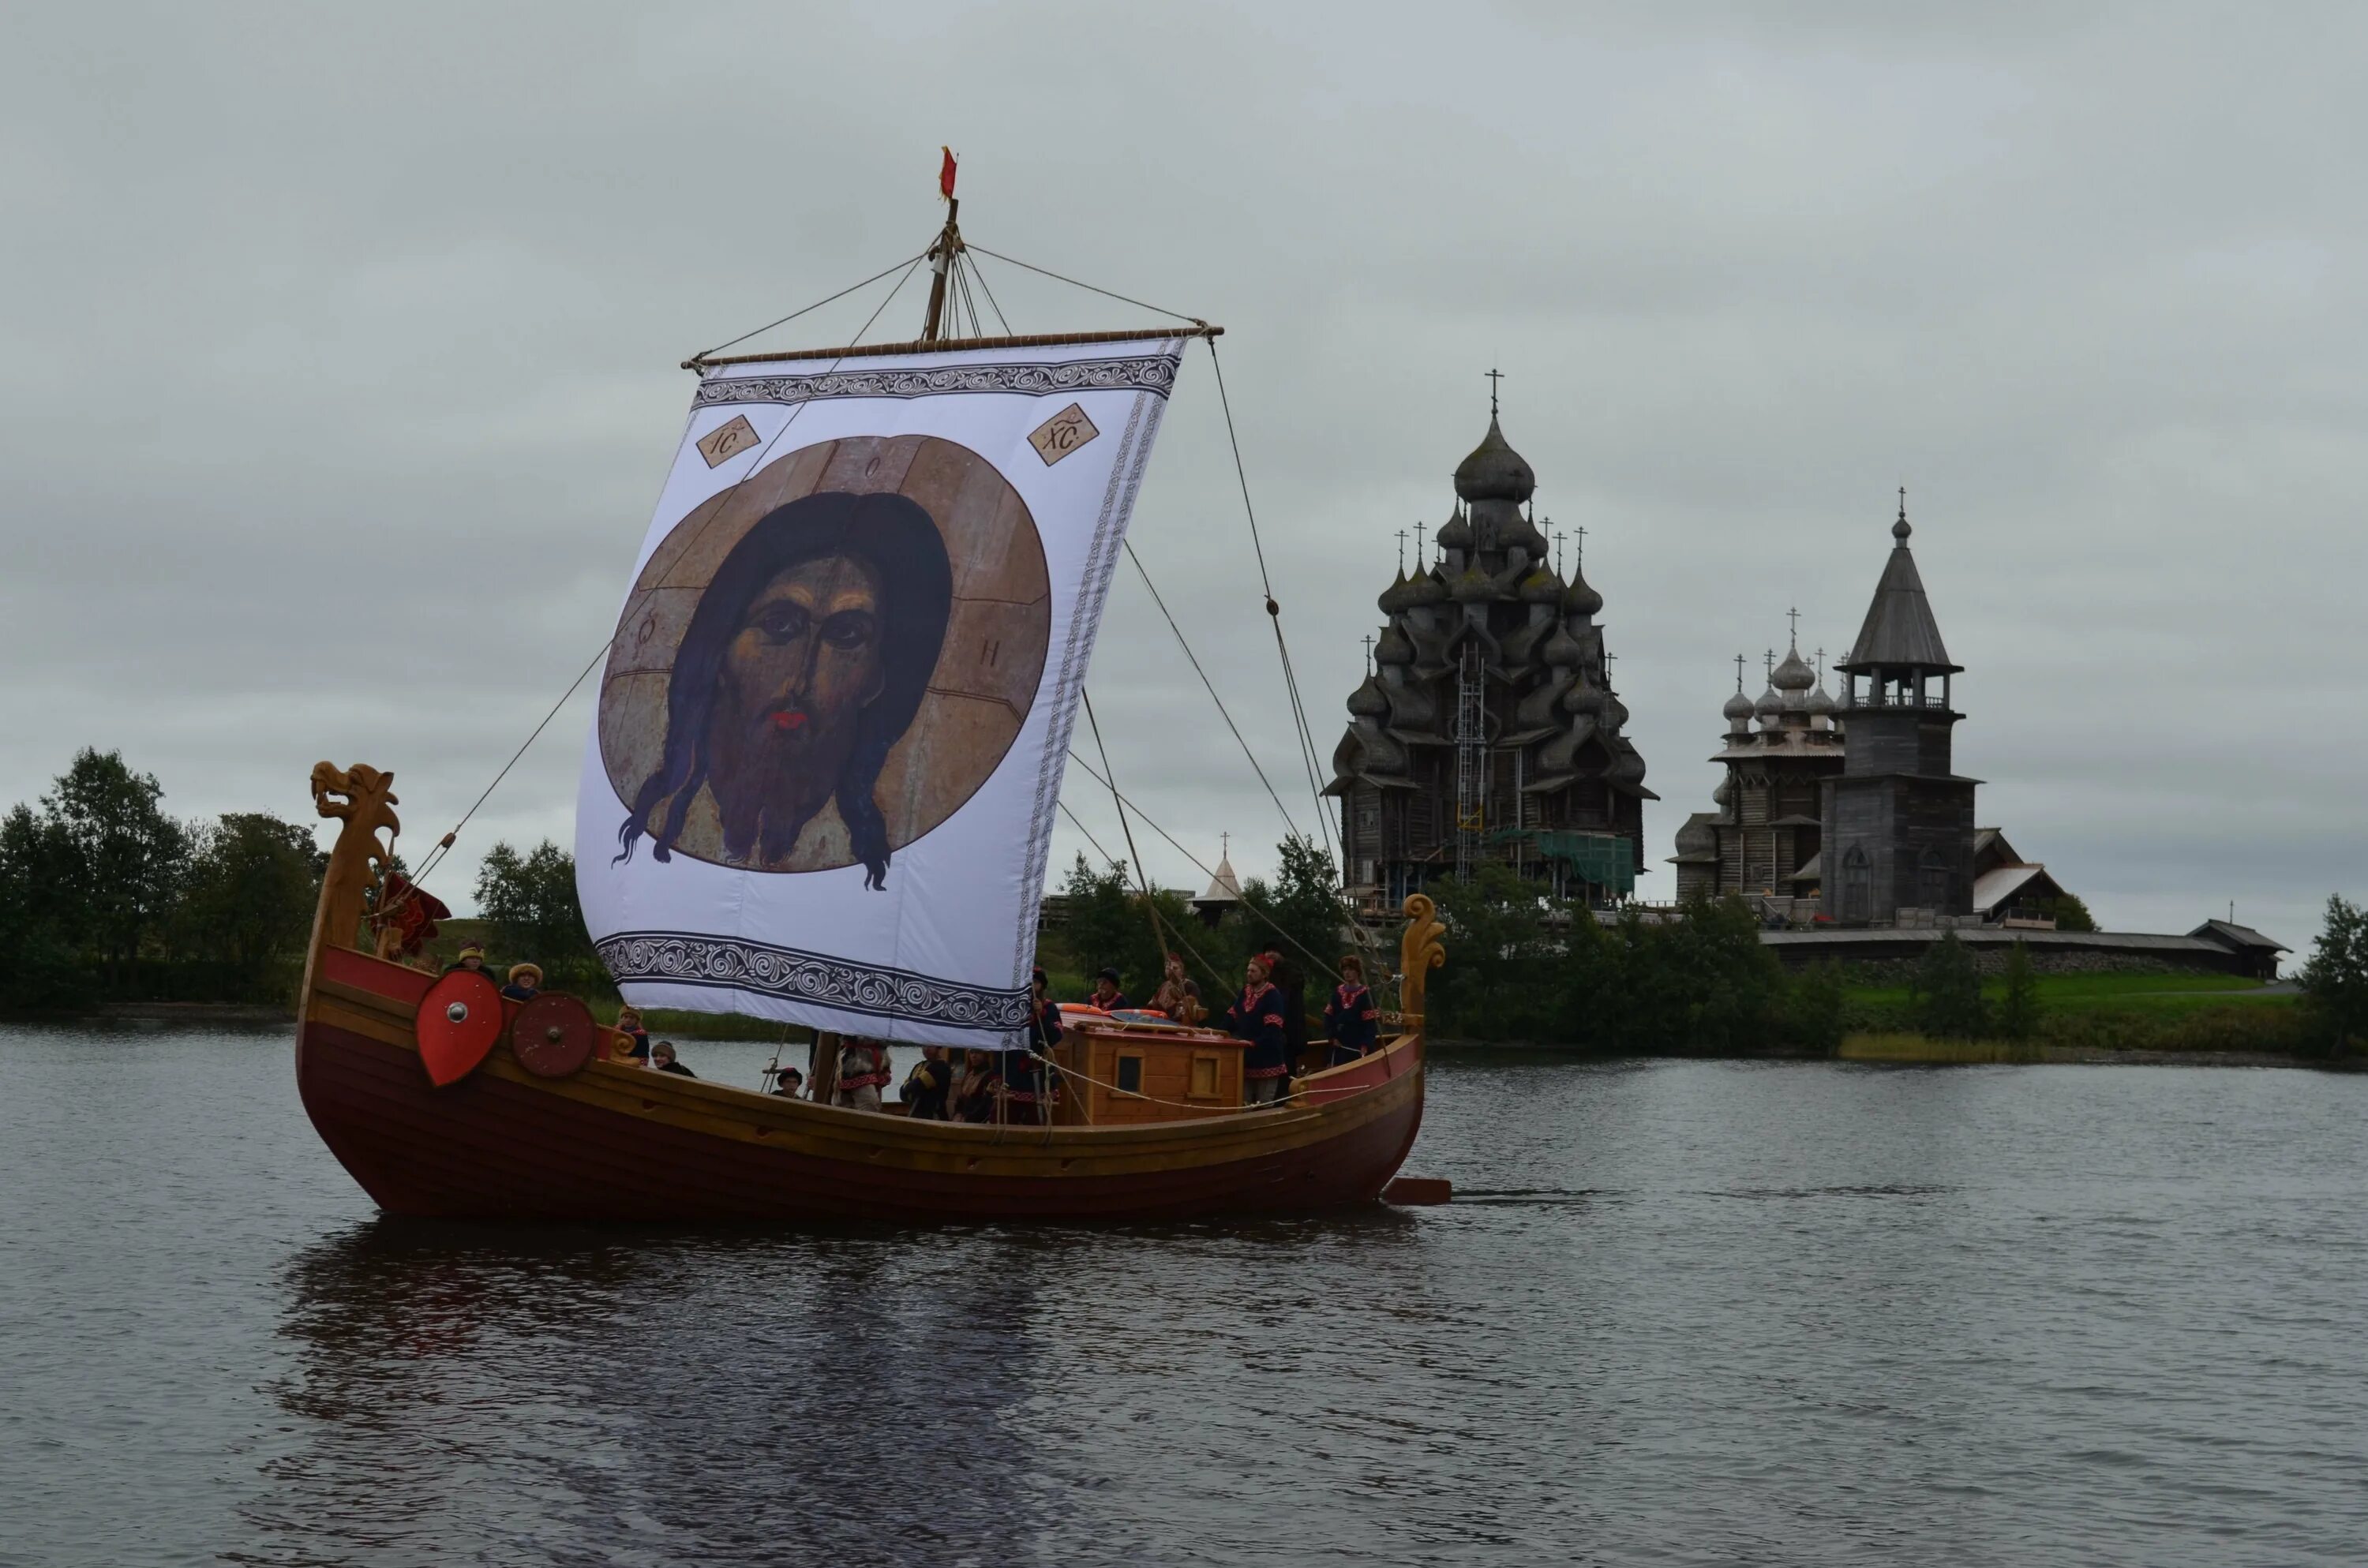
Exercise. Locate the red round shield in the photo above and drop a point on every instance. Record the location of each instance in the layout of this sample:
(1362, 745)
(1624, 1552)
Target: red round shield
(457, 1021)
(554, 1036)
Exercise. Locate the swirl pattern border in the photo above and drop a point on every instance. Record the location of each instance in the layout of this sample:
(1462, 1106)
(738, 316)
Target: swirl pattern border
(683, 957)
(1153, 373)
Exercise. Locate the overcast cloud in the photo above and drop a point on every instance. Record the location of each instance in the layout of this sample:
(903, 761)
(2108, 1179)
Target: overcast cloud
(337, 369)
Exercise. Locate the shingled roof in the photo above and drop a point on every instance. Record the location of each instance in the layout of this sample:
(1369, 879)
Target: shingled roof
(1899, 629)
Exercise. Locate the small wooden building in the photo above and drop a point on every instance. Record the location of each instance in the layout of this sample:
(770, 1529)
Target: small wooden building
(1117, 1072)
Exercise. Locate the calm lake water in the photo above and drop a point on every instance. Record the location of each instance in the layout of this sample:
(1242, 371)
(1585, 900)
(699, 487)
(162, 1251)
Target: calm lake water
(1684, 1313)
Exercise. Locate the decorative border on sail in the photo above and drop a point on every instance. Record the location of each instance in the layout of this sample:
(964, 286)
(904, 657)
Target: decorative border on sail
(1154, 373)
(678, 958)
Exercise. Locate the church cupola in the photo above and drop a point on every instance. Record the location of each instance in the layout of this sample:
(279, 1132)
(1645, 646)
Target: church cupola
(1495, 471)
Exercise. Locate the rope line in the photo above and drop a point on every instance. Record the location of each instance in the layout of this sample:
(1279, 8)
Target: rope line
(979, 273)
(1254, 765)
(819, 304)
(1089, 288)
(1248, 903)
(1273, 610)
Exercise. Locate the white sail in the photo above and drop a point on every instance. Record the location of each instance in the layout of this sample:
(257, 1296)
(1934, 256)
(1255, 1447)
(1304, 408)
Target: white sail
(821, 781)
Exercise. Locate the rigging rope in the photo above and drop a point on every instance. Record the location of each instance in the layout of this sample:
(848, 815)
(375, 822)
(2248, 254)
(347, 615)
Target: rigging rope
(1273, 610)
(976, 272)
(1248, 903)
(1089, 288)
(819, 304)
(1205, 682)
(1141, 879)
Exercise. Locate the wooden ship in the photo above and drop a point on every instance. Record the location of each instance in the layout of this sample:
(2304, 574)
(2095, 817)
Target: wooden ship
(442, 1098)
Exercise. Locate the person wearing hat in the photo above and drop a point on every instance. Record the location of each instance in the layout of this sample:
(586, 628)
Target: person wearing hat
(662, 1058)
(1257, 1017)
(788, 1083)
(1107, 995)
(526, 982)
(473, 956)
(629, 1024)
(1351, 1020)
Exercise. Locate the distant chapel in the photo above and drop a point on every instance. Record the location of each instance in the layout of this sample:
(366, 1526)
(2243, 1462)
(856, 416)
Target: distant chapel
(1487, 731)
(1849, 812)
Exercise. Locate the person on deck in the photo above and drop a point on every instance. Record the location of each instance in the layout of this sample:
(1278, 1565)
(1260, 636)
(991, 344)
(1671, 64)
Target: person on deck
(788, 1083)
(1287, 979)
(929, 1086)
(629, 1024)
(1351, 1022)
(473, 956)
(1107, 995)
(662, 1058)
(979, 1091)
(1169, 998)
(862, 1074)
(1257, 1017)
(525, 983)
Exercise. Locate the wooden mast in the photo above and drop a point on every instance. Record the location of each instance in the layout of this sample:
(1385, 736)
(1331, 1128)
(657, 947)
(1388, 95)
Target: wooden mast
(942, 251)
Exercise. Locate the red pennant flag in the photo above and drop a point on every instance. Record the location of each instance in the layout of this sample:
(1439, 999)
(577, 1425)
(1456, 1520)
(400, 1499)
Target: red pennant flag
(946, 175)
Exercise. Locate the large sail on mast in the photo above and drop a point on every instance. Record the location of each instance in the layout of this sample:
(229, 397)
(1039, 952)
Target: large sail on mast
(820, 784)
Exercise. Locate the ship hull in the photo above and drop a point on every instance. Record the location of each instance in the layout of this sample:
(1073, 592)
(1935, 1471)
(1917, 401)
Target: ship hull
(616, 1141)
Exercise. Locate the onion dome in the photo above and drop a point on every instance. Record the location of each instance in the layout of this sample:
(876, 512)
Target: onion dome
(1495, 471)
(1396, 596)
(1394, 648)
(1586, 699)
(1696, 838)
(1821, 705)
(1473, 587)
(1739, 708)
(1627, 767)
(1721, 795)
(1367, 701)
(1579, 599)
(1794, 673)
(1562, 650)
(1425, 589)
(1541, 587)
(1769, 706)
(1615, 712)
(1456, 532)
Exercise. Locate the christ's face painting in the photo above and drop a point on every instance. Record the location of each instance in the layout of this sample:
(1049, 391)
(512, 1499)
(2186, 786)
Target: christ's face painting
(796, 676)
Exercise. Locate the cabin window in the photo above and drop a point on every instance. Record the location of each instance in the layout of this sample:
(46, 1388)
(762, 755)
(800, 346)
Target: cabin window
(1932, 881)
(1856, 891)
(1129, 1072)
(1203, 1085)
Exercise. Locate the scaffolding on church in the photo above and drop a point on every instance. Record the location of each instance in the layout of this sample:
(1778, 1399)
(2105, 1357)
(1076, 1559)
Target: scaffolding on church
(1605, 861)
(1471, 763)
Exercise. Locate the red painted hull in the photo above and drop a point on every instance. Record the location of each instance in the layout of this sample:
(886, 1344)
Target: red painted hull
(618, 1143)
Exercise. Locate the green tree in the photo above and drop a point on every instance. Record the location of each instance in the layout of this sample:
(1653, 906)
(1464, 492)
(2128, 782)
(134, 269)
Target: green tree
(2018, 1013)
(252, 883)
(1500, 945)
(2335, 976)
(130, 857)
(1947, 991)
(1303, 916)
(530, 901)
(1716, 984)
(2070, 914)
(1813, 1005)
(42, 912)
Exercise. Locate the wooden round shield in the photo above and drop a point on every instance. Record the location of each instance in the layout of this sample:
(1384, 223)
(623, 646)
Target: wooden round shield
(457, 1021)
(554, 1036)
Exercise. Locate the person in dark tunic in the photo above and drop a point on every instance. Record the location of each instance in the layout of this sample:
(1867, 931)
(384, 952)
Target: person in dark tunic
(1351, 1022)
(1287, 979)
(979, 1090)
(662, 1058)
(629, 1024)
(788, 1083)
(525, 983)
(1257, 1017)
(929, 1086)
(1107, 995)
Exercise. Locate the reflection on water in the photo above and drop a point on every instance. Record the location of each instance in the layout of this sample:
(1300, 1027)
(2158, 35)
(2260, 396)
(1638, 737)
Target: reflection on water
(1694, 1313)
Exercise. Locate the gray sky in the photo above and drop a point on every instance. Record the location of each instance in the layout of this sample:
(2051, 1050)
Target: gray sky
(337, 368)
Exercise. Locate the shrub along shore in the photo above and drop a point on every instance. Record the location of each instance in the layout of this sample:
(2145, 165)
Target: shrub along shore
(106, 902)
